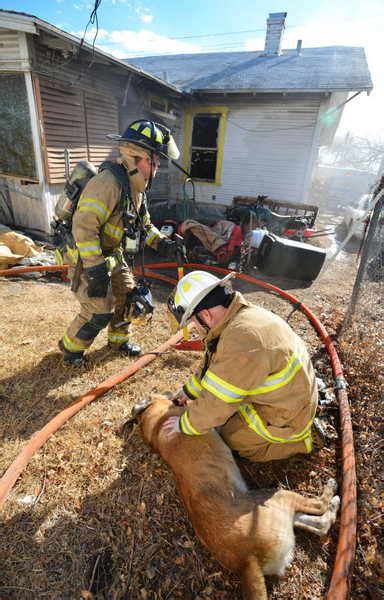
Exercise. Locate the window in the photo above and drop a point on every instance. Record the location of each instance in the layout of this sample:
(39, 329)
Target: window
(204, 135)
(204, 146)
(17, 156)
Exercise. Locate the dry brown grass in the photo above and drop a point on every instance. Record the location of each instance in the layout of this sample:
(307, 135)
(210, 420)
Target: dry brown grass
(106, 522)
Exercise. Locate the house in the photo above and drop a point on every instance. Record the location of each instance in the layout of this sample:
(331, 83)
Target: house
(59, 98)
(254, 121)
(248, 122)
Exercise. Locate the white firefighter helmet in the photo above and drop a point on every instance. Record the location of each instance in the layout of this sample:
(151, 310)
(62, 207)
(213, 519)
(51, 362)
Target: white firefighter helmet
(190, 291)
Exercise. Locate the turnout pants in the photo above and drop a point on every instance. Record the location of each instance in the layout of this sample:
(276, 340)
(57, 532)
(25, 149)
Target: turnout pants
(238, 436)
(97, 313)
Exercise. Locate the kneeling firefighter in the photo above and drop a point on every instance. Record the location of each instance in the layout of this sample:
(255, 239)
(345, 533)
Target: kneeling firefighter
(256, 383)
(109, 223)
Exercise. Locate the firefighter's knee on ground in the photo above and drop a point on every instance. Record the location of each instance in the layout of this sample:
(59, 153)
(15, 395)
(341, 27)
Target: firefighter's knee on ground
(93, 327)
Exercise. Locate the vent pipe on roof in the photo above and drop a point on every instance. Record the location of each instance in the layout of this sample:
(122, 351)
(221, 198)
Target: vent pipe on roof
(298, 47)
(275, 28)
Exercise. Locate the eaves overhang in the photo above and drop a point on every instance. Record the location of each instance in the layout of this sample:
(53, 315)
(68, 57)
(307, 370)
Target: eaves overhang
(255, 92)
(31, 24)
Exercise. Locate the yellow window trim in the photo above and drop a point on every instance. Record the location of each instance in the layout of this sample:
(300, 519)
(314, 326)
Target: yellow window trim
(188, 124)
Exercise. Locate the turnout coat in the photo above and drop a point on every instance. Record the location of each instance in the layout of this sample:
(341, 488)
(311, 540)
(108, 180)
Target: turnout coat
(257, 368)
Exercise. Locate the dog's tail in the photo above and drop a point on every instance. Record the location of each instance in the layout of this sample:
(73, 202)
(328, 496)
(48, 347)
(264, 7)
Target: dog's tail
(252, 580)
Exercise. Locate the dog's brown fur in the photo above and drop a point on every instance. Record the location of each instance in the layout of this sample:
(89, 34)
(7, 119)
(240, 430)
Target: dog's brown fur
(249, 532)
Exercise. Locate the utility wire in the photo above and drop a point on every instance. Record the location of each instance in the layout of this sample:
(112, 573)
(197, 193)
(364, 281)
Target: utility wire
(302, 25)
(190, 37)
(202, 50)
(54, 68)
(93, 19)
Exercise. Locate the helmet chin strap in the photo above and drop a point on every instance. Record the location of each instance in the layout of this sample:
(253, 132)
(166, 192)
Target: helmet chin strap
(149, 184)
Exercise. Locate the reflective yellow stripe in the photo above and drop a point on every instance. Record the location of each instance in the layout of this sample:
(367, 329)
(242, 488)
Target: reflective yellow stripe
(147, 220)
(186, 426)
(72, 346)
(73, 254)
(278, 380)
(135, 126)
(193, 387)
(91, 248)
(113, 231)
(221, 388)
(117, 337)
(112, 262)
(59, 257)
(152, 235)
(308, 443)
(231, 393)
(95, 206)
(255, 423)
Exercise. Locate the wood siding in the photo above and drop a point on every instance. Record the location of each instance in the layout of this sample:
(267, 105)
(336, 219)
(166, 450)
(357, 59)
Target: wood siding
(76, 120)
(267, 149)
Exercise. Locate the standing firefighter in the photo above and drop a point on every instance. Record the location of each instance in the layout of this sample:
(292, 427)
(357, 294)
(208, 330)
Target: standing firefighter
(110, 222)
(256, 382)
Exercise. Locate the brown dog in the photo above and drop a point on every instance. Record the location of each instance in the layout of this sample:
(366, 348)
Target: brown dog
(247, 531)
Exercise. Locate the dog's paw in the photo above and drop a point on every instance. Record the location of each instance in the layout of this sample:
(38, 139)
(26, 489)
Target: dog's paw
(335, 504)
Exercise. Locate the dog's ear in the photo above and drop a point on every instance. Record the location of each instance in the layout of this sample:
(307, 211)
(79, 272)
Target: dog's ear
(125, 428)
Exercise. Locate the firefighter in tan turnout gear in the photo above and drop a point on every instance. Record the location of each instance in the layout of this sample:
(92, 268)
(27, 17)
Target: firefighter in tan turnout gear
(109, 223)
(256, 383)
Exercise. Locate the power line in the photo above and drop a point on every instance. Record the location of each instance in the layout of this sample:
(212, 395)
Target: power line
(54, 68)
(231, 47)
(189, 37)
(263, 29)
(93, 18)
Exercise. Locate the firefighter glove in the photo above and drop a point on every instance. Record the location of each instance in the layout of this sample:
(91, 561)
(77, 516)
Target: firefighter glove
(171, 426)
(98, 281)
(167, 247)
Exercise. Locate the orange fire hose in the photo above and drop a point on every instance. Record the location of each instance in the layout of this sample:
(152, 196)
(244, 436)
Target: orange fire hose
(342, 570)
(40, 437)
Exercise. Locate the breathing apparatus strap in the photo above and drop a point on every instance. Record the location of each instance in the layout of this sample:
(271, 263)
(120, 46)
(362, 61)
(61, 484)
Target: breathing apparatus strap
(126, 203)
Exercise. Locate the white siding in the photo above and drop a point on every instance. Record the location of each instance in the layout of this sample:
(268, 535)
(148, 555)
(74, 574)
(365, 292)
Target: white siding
(13, 51)
(267, 150)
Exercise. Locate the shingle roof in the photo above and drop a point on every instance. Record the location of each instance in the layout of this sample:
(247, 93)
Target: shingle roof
(334, 68)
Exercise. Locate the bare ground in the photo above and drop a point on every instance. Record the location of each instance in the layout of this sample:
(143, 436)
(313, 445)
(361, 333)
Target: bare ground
(95, 514)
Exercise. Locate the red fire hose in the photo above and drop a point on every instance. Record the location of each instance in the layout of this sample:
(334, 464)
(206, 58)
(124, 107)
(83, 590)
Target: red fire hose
(342, 570)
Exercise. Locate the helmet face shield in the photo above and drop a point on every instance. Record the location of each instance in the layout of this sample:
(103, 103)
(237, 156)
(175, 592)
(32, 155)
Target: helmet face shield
(177, 312)
(171, 150)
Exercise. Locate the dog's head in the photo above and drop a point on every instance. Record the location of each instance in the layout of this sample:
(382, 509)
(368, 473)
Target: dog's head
(150, 413)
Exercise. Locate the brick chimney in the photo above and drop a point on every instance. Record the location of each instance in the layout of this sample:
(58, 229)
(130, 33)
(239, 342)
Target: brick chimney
(275, 28)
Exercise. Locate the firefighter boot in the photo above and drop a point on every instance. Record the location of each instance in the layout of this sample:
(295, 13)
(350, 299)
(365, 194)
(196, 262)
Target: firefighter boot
(72, 359)
(129, 349)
